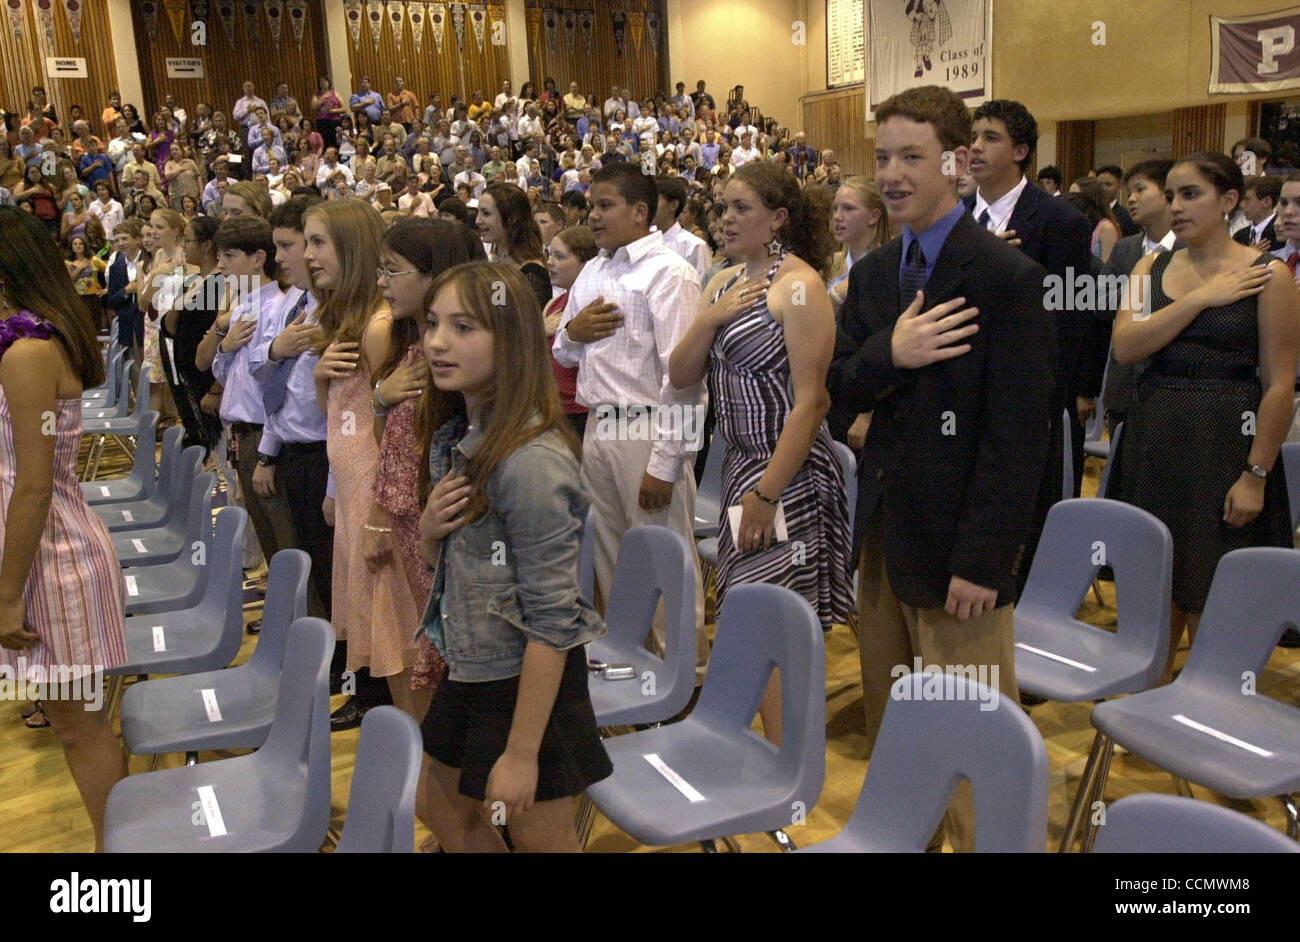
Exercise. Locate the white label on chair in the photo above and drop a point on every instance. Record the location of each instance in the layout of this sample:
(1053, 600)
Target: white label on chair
(159, 640)
(139, 546)
(105, 491)
(126, 515)
(210, 704)
(211, 811)
(1056, 657)
(131, 587)
(1222, 736)
(674, 779)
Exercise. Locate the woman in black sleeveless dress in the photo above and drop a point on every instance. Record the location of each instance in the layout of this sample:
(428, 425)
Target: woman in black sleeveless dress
(1201, 442)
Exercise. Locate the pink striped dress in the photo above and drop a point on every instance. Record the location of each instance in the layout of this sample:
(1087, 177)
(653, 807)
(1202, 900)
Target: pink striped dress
(75, 593)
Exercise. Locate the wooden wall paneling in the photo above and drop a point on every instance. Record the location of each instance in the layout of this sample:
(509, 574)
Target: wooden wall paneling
(1076, 143)
(1199, 128)
(225, 65)
(22, 61)
(837, 120)
(428, 70)
(640, 69)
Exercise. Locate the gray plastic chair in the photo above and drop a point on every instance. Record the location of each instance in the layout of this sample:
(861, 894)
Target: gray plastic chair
(276, 799)
(157, 510)
(158, 545)
(1103, 486)
(926, 747)
(124, 423)
(1210, 726)
(1172, 824)
(182, 583)
(163, 715)
(708, 497)
(381, 803)
(118, 406)
(1067, 464)
(1059, 657)
(653, 562)
(1291, 466)
(747, 784)
(140, 483)
(105, 395)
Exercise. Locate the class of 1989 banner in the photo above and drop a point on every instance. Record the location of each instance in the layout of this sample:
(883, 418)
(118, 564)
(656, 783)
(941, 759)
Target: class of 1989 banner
(928, 42)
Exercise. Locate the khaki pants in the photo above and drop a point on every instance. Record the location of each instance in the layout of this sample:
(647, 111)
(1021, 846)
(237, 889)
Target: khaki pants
(892, 633)
(612, 472)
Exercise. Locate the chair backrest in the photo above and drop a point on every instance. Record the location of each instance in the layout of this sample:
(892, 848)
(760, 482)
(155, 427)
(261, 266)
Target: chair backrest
(144, 465)
(1255, 596)
(381, 802)
(170, 487)
(195, 495)
(1291, 468)
(141, 394)
(299, 740)
(1103, 486)
(710, 489)
(938, 729)
(221, 576)
(1083, 534)
(760, 627)
(1067, 463)
(286, 602)
(849, 465)
(1172, 824)
(587, 558)
(114, 367)
(170, 461)
(655, 562)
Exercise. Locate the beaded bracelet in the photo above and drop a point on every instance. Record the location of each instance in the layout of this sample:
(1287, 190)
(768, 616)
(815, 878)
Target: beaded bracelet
(766, 500)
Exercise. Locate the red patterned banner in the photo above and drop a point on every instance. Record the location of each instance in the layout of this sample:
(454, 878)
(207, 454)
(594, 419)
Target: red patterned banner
(297, 19)
(73, 9)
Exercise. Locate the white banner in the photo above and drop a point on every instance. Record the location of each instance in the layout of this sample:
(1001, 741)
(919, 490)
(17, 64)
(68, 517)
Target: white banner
(396, 19)
(437, 23)
(352, 10)
(375, 15)
(415, 11)
(65, 68)
(928, 42)
(275, 17)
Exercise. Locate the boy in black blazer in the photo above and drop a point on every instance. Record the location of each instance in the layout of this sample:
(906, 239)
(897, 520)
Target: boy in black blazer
(960, 377)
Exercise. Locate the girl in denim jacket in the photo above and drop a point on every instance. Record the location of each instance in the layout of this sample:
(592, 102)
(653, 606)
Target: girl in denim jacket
(511, 734)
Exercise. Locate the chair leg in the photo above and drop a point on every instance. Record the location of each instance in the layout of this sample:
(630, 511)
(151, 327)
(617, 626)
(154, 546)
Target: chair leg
(1182, 786)
(782, 840)
(1292, 806)
(731, 845)
(1090, 829)
(154, 760)
(584, 818)
(709, 846)
(1083, 798)
(191, 758)
(1096, 592)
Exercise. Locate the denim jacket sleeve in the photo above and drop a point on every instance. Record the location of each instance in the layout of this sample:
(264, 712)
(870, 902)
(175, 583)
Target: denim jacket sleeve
(538, 495)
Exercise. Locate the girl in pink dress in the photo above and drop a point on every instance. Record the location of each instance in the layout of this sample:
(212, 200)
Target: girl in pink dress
(414, 252)
(62, 602)
(373, 607)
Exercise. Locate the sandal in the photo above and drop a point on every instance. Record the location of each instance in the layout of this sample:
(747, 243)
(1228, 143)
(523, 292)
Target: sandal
(35, 718)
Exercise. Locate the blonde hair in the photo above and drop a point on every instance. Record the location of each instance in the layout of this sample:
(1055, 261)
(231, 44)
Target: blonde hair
(356, 229)
(171, 219)
(258, 198)
(866, 188)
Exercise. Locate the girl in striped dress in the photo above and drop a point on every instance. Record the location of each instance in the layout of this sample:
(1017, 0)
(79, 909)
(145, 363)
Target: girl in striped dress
(766, 340)
(62, 604)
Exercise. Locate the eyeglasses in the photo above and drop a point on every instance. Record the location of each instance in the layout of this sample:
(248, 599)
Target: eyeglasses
(383, 274)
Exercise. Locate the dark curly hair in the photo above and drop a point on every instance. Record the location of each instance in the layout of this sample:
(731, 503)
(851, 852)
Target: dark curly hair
(1021, 126)
(807, 229)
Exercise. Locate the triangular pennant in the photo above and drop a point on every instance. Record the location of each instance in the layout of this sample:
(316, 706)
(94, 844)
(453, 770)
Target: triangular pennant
(636, 26)
(478, 17)
(45, 13)
(396, 16)
(226, 13)
(619, 20)
(297, 19)
(458, 23)
(352, 9)
(587, 19)
(73, 9)
(570, 18)
(175, 10)
(375, 17)
(250, 20)
(275, 17)
(438, 23)
(652, 28)
(415, 10)
(16, 17)
(552, 20)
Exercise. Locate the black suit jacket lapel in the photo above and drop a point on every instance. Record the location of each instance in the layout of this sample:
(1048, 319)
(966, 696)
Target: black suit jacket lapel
(955, 258)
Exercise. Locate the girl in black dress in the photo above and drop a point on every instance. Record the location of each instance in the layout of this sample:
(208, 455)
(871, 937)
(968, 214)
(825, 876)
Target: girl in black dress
(1201, 442)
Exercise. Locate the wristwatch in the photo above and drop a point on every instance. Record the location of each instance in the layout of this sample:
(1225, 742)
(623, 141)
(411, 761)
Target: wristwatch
(266, 461)
(1258, 471)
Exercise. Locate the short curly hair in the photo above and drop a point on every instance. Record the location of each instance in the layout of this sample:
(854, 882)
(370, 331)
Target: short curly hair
(934, 105)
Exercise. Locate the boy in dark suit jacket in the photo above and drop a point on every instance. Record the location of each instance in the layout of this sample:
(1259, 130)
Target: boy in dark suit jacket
(944, 337)
(1259, 203)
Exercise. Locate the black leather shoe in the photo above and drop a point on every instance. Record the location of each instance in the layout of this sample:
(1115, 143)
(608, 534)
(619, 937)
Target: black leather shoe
(254, 627)
(347, 716)
(1290, 639)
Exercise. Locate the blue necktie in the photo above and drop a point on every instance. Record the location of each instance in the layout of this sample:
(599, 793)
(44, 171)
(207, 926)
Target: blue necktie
(914, 276)
(277, 387)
